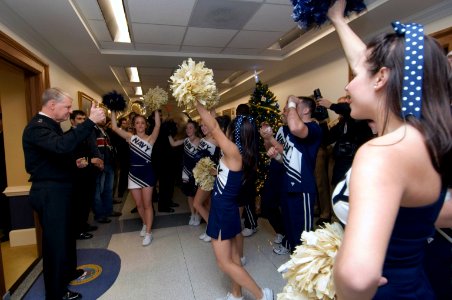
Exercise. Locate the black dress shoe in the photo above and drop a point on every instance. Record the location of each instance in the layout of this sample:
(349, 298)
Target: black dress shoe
(103, 220)
(84, 236)
(174, 204)
(77, 274)
(69, 295)
(134, 210)
(115, 214)
(167, 210)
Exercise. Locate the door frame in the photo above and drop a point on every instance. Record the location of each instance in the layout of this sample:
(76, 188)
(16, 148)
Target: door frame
(36, 81)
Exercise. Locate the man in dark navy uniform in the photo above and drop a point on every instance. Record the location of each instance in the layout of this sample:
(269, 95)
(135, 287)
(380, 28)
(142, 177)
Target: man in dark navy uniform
(49, 161)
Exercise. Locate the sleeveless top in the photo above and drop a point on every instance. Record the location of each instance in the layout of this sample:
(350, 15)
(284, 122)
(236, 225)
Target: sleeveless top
(190, 151)
(224, 217)
(403, 265)
(208, 149)
(140, 151)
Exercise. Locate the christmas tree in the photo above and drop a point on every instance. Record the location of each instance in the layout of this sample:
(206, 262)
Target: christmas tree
(265, 109)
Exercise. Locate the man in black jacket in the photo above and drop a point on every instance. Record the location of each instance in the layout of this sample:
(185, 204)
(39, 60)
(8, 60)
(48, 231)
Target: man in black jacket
(49, 161)
(348, 135)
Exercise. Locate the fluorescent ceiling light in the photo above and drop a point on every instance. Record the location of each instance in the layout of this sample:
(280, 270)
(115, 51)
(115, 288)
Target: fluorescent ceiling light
(132, 72)
(138, 91)
(115, 17)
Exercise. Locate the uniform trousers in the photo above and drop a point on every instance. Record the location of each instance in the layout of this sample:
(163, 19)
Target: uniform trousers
(52, 202)
(298, 214)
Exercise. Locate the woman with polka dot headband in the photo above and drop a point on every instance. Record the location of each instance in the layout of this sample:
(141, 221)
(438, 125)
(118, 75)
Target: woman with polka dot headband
(395, 189)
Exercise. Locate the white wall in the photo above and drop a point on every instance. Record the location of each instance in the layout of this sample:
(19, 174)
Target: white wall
(58, 77)
(331, 78)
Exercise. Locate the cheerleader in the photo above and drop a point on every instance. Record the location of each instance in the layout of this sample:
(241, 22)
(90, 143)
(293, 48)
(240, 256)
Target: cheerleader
(239, 158)
(191, 143)
(141, 176)
(208, 147)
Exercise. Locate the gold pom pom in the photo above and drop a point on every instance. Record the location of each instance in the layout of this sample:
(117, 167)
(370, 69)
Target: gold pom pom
(309, 272)
(193, 82)
(203, 173)
(155, 98)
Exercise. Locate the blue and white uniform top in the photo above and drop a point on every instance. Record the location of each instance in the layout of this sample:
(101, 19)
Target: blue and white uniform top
(190, 155)
(281, 134)
(299, 159)
(224, 217)
(403, 265)
(208, 149)
(140, 151)
(339, 198)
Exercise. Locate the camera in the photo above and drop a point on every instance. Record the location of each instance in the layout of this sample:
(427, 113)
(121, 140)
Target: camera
(320, 113)
(317, 94)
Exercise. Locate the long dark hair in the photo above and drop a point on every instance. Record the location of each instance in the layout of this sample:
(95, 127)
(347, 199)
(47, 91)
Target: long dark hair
(248, 144)
(435, 124)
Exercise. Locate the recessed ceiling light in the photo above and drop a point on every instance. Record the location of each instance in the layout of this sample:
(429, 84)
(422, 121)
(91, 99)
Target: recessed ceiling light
(132, 72)
(115, 18)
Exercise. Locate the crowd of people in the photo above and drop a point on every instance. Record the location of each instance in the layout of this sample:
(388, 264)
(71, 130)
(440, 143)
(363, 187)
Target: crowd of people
(391, 149)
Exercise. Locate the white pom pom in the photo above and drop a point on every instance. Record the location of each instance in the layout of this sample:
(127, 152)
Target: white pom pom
(193, 82)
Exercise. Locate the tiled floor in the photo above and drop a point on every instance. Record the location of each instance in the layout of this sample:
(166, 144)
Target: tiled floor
(177, 265)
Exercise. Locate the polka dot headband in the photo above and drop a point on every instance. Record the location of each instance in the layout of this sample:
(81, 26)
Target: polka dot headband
(237, 130)
(413, 67)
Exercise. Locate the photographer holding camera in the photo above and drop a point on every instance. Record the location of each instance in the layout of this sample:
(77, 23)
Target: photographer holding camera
(348, 135)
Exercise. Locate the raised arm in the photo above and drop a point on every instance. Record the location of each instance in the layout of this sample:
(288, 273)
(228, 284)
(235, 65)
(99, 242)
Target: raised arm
(353, 46)
(155, 132)
(296, 125)
(232, 156)
(116, 129)
(174, 143)
(269, 140)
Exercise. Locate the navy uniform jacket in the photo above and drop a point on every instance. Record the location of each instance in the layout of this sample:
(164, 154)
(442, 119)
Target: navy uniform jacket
(48, 151)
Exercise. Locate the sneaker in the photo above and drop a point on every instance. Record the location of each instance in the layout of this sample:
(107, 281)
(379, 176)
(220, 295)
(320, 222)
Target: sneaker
(229, 296)
(207, 239)
(243, 260)
(192, 218)
(268, 294)
(281, 250)
(147, 239)
(143, 231)
(202, 236)
(196, 220)
(248, 232)
(278, 238)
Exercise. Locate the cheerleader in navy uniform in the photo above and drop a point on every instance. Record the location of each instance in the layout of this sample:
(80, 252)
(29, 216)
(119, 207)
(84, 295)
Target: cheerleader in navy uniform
(224, 226)
(191, 143)
(141, 176)
(397, 183)
(208, 147)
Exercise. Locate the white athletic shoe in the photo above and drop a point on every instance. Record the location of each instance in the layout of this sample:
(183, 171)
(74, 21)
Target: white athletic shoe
(147, 239)
(192, 218)
(229, 296)
(143, 231)
(196, 220)
(248, 232)
(280, 250)
(202, 236)
(243, 260)
(207, 239)
(268, 294)
(278, 238)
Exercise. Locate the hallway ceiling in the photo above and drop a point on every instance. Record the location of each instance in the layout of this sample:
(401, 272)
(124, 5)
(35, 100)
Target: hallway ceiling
(232, 36)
